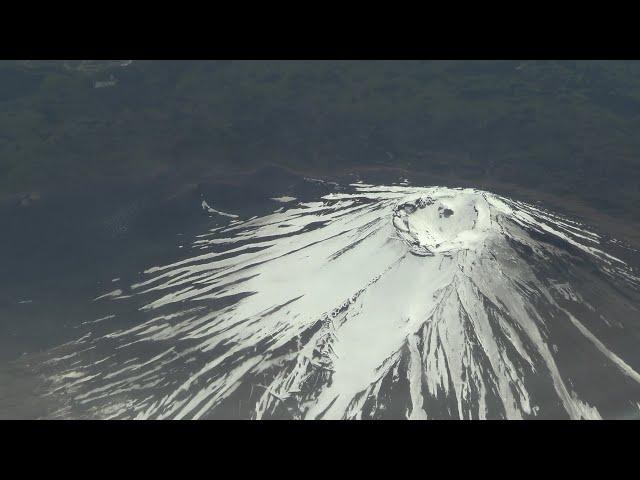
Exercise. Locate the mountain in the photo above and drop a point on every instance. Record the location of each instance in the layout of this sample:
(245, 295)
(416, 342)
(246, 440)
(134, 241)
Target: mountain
(369, 301)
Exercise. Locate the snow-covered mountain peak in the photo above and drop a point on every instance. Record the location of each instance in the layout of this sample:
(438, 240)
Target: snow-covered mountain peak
(446, 220)
(374, 301)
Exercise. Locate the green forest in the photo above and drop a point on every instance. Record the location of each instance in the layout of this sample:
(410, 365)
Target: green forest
(560, 127)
